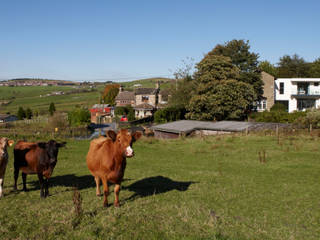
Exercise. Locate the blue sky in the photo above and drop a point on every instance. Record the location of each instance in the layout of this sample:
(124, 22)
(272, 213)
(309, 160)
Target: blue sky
(102, 40)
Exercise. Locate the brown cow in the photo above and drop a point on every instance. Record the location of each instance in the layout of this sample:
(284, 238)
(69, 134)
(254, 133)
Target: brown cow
(106, 160)
(4, 158)
(36, 158)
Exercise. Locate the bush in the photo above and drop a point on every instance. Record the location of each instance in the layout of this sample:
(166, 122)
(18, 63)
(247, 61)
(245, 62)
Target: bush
(58, 120)
(169, 114)
(127, 110)
(311, 117)
(79, 116)
(278, 107)
(276, 116)
(21, 113)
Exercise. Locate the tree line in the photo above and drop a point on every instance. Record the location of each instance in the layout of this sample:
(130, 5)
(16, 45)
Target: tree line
(227, 83)
(292, 67)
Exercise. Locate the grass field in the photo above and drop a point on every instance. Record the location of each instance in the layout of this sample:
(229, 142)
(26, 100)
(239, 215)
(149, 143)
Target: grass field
(224, 187)
(30, 96)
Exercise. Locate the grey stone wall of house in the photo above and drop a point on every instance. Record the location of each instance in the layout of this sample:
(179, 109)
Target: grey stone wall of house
(268, 89)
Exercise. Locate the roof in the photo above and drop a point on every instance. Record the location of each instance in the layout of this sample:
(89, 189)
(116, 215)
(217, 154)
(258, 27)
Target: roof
(125, 95)
(188, 126)
(141, 91)
(5, 116)
(144, 106)
(100, 106)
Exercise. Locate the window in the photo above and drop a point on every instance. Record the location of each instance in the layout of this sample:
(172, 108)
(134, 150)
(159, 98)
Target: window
(303, 104)
(262, 105)
(281, 88)
(145, 98)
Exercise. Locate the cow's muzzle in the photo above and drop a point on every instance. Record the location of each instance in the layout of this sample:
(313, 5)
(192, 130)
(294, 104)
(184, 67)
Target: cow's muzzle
(129, 152)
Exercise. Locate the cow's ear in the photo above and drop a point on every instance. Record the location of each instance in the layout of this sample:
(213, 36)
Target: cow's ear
(59, 145)
(136, 136)
(111, 134)
(42, 144)
(10, 142)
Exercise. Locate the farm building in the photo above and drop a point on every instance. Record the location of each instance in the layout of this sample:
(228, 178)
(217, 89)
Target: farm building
(190, 127)
(7, 118)
(101, 113)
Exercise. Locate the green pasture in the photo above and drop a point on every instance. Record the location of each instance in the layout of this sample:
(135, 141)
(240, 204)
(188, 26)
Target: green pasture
(165, 83)
(223, 187)
(30, 97)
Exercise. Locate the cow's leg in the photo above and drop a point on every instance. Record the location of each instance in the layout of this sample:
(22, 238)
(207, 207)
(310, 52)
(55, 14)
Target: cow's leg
(116, 195)
(46, 185)
(40, 176)
(105, 191)
(97, 179)
(16, 175)
(1, 185)
(24, 181)
(2, 172)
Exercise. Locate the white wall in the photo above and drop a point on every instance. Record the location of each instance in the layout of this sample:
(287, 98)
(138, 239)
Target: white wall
(291, 88)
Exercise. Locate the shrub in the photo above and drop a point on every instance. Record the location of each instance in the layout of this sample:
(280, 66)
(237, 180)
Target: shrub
(58, 120)
(311, 117)
(127, 110)
(169, 114)
(21, 113)
(278, 107)
(276, 116)
(79, 116)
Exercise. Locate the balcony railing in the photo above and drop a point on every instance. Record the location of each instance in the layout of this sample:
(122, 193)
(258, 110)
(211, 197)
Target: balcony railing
(305, 93)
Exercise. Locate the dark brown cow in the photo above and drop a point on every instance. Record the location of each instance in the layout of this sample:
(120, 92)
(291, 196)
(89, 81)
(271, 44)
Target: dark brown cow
(4, 158)
(106, 160)
(36, 158)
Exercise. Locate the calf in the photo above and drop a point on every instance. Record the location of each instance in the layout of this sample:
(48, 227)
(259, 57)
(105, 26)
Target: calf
(36, 158)
(4, 158)
(106, 160)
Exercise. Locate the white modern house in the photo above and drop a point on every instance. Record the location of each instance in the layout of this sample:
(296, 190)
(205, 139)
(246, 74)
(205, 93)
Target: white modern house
(298, 94)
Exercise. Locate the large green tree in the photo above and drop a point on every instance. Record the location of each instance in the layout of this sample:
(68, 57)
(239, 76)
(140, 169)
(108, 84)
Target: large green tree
(293, 67)
(267, 67)
(21, 113)
(246, 61)
(52, 109)
(314, 70)
(219, 93)
(29, 113)
(182, 93)
(111, 95)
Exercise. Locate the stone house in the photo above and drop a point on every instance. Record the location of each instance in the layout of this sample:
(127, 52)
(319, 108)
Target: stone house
(146, 101)
(125, 98)
(268, 98)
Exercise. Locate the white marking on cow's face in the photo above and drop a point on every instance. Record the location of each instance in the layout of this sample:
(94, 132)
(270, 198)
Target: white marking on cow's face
(129, 152)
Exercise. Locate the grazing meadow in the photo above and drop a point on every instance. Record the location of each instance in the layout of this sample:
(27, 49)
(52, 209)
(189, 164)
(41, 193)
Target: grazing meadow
(220, 187)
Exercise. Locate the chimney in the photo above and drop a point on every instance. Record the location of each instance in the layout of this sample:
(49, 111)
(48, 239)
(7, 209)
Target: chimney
(158, 85)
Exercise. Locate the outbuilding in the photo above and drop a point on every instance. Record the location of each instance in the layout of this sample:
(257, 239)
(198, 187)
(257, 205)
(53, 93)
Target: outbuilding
(191, 127)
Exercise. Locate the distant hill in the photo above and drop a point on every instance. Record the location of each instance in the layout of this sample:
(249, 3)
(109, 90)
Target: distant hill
(148, 83)
(36, 82)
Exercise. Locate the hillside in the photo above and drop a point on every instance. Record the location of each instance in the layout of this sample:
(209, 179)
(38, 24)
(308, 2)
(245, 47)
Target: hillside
(148, 83)
(64, 95)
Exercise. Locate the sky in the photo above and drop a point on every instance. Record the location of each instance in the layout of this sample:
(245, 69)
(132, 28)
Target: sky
(102, 40)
